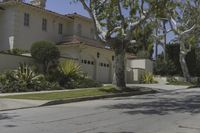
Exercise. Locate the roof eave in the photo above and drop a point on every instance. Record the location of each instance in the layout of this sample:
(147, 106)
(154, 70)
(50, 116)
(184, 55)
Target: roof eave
(35, 7)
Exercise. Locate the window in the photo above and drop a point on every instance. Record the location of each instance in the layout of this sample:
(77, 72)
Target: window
(79, 29)
(26, 19)
(44, 24)
(113, 58)
(98, 54)
(60, 28)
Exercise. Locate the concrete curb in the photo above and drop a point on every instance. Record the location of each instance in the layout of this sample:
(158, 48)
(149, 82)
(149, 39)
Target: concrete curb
(57, 102)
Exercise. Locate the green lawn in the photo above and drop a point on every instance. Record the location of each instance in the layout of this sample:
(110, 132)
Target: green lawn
(67, 94)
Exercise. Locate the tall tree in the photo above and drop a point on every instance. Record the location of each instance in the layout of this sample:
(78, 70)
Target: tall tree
(183, 22)
(115, 20)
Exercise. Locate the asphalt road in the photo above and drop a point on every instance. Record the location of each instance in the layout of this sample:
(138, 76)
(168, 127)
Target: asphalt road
(169, 112)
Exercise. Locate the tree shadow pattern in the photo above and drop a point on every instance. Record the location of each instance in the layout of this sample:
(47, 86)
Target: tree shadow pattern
(160, 104)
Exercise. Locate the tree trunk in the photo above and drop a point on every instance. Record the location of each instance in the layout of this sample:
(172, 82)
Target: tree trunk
(184, 67)
(119, 76)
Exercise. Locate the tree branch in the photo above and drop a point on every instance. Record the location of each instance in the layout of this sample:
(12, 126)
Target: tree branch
(188, 30)
(100, 32)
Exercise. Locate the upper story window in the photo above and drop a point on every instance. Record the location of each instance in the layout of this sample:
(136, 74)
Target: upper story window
(79, 29)
(26, 19)
(60, 28)
(44, 24)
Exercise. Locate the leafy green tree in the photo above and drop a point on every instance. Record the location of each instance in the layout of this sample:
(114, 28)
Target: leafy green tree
(184, 23)
(45, 53)
(116, 20)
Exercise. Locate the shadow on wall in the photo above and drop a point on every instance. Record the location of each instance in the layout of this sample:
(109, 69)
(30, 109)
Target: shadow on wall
(189, 102)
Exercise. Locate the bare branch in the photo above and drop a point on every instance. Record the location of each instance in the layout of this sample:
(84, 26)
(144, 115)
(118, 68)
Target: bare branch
(122, 18)
(173, 27)
(188, 30)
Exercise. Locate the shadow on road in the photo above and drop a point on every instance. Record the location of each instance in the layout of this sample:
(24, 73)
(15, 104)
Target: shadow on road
(116, 132)
(162, 104)
(4, 116)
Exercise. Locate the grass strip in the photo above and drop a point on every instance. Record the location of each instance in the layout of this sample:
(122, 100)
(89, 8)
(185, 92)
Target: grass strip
(69, 94)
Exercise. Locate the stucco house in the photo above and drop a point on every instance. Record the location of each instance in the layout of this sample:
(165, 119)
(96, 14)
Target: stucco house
(22, 24)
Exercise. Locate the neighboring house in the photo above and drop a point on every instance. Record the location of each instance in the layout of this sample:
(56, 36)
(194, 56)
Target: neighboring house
(22, 24)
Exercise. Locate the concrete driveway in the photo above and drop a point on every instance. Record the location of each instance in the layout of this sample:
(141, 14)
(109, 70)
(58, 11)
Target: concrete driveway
(169, 112)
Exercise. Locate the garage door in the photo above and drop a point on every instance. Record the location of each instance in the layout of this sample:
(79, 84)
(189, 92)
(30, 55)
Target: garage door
(88, 66)
(104, 71)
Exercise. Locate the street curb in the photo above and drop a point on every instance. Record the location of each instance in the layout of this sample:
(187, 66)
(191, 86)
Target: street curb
(81, 99)
(57, 102)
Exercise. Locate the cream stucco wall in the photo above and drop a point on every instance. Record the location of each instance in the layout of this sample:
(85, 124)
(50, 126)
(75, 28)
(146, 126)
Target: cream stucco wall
(7, 20)
(103, 68)
(87, 26)
(145, 64)
(12, 24)
(8, 61)
(25, 36)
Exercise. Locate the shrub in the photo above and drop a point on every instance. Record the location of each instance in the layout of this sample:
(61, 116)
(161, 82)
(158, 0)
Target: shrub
(45, 53)
(69, 68)
(143, 54)
(69, 72)
(16, 51)
(148, 78)
(172, 52)
(24, 79)
(87, 83)
(70, 76)
(164, 68)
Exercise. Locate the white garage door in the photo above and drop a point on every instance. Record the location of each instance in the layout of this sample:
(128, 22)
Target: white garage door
(88, 67)
(104, 71)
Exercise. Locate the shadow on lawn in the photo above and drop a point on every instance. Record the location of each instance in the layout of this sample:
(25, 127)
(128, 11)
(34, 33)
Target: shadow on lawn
(162, 104)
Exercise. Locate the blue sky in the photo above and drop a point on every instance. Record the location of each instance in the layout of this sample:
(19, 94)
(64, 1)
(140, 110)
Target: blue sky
(65, 7)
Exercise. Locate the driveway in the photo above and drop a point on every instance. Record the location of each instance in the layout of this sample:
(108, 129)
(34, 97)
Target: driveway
(168, 112)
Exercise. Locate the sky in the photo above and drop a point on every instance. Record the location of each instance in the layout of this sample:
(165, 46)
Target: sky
(65, 7)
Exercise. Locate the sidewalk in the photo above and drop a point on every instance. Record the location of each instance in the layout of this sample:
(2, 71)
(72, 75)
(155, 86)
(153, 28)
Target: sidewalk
(11, 104)
(160, 87)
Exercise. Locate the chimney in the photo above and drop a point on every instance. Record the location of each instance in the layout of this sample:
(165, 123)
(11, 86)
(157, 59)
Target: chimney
(39, 3)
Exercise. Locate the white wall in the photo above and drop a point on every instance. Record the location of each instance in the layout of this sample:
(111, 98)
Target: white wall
(25, 36)
(12, 24)
(8, 61)
(86, 27)
(7, 20)
(96, 71)
(141, 63)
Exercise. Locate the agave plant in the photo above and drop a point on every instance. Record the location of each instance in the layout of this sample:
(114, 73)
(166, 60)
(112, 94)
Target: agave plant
(25, 73)
(148, 78)
(69, 68)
